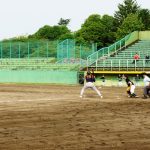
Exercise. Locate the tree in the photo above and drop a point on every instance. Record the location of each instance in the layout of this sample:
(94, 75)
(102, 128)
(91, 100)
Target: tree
(144, 15)
(129, 6)
(63, 22)
(109, 29)
(98, 30)
(92, 30)
(51, 32)
(130, 24)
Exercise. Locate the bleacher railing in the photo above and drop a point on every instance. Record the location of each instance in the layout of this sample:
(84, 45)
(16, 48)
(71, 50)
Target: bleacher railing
(123, 65)
(107, 51)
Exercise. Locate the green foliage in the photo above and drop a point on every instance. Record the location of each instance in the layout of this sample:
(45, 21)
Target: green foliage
(97, 29)
(51, 32)
(130, 24)
(103, 30)
(129, 6)
(66, 36)
(144, 15)
(110, 29)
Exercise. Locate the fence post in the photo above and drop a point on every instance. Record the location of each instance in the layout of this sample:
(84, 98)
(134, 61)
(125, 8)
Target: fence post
(28, 50)
(143, 64)
(38, 50)
(10, 50)
(115, 48)
(96, 65)
(47, 49)
(80, 51)
(93, 48)
(67, 49)
(19, 50)
(135, 64)
(1, 50)
(120, 44)
(119, 64)
(108, 51)
(111, 64)
(103, 64)
(87, 63)
(96, 47)
(103, 52)
(127, 64)
(125, 41)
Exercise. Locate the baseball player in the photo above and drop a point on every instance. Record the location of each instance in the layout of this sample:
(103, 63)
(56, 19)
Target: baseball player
(90, 78)
(146, 90)
(130, 87)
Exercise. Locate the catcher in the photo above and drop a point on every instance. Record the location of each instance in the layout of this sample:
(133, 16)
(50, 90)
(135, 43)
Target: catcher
(130, 87)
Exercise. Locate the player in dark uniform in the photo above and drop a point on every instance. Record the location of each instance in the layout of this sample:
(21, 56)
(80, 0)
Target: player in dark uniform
(90, 78)
(130, 87)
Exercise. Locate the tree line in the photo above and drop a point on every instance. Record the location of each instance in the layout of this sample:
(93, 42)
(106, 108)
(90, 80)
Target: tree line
(103, 30)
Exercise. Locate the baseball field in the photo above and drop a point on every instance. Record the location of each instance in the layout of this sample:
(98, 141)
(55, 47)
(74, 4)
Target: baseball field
(52, 117)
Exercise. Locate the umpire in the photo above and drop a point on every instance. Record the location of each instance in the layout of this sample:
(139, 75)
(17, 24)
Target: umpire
(146, 86)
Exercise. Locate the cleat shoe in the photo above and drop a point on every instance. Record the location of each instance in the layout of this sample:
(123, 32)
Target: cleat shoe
(80, 96)
(144, 97)
(101, 96)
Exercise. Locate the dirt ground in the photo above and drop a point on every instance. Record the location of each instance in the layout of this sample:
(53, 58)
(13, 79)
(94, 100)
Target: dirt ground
(50, 117)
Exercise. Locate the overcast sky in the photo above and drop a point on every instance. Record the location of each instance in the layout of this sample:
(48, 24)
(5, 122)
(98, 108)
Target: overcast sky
(21, 17)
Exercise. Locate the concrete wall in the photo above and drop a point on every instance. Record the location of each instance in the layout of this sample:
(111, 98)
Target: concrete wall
(29, 76)
(144, 35)
(134, 36)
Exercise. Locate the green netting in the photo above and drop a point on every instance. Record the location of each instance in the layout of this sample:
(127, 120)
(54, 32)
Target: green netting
(29, 49)
(68, 49)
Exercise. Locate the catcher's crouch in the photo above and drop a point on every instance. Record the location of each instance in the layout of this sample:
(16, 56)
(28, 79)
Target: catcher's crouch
(130, 88)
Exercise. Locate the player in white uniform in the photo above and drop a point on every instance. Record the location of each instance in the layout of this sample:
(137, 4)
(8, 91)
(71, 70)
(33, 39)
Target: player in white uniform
(146, 90)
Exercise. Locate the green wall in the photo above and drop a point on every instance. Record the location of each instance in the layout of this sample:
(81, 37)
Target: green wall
(58, 77)
(144, 35)
(132, 38)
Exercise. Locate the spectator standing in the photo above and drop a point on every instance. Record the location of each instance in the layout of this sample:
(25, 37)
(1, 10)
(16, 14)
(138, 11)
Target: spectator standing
(147, 59)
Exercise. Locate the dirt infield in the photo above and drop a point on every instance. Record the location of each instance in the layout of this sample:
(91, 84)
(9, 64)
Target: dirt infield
(45, 117)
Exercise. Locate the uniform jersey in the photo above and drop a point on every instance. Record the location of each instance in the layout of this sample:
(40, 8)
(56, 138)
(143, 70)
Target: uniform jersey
(90, 78)
(129, 83)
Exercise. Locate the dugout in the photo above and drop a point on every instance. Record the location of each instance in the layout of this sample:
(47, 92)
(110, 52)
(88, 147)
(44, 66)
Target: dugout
(111, 77)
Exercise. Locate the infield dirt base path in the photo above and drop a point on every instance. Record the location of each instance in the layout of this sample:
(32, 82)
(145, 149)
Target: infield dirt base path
(50, 117)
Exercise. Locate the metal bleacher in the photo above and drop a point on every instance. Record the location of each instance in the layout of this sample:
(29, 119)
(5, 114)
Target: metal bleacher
(123, 59)
(34, 64)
